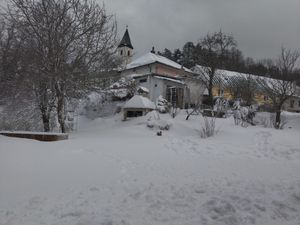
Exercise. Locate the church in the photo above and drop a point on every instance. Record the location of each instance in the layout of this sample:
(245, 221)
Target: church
(161, 76)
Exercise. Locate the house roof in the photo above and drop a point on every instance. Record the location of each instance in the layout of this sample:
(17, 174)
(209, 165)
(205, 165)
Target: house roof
(139, 102)
(126, 42)
(150, 58)
(226, 77)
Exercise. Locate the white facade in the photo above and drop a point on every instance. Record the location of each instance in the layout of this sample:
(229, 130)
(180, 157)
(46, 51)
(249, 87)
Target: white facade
(158, 85)
(146, 69)
(126, 54)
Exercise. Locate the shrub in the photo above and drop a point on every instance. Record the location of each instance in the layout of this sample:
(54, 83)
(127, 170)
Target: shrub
(209, 127)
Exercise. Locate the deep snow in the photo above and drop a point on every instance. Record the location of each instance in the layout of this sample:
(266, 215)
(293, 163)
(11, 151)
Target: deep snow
(112, 172)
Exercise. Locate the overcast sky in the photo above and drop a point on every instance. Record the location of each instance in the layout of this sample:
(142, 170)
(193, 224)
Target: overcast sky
(259, 26)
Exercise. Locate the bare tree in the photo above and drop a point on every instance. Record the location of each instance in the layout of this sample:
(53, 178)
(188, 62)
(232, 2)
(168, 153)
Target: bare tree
(67, 41)
(10, 56)
(279, 90)
(213, 51)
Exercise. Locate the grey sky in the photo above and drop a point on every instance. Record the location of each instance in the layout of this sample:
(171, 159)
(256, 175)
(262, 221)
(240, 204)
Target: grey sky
(259, 26)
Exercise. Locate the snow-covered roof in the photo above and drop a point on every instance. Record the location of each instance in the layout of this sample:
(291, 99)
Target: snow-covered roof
(150, 58)
(139, 102)
(226, 76)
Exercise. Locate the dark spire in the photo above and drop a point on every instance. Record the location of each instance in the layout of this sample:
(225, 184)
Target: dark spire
(153, 50)
(126, 40)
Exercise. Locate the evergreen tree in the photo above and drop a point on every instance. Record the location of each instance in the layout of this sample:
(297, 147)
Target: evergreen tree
(188, 55)
(167, 53)
(177, 56)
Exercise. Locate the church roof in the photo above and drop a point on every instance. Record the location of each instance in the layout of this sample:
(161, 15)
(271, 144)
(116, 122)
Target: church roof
(126, 42)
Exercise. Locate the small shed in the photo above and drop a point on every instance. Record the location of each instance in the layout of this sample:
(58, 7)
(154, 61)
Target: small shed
(137, 106)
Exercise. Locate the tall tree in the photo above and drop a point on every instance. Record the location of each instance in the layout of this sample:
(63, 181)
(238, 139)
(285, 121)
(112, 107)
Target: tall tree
(167, 53)
(177, 56)
(214, 48)
(279, 90)
(68, 40)
(188, 55)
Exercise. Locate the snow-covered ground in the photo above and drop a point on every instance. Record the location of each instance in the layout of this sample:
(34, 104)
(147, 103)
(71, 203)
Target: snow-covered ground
(120, 173)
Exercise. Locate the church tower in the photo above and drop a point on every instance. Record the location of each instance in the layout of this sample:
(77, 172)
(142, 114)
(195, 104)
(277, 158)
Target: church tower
(125, 48)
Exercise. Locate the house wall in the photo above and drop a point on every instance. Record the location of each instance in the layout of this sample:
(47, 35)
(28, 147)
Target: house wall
(192, 92)
(147, 69)
(155, 68)
(217, 91)
(262, 99)
(166, 70)
(292, 107)
(258, 97)
(195, 91)
(157, 87)
(141, 82)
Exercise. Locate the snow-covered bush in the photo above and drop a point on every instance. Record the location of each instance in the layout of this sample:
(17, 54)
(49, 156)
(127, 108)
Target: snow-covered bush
(159, 124)
(208, 128)
(154, 121)
(221, 105)
(123, 89)
(162, 105)
(98, 104)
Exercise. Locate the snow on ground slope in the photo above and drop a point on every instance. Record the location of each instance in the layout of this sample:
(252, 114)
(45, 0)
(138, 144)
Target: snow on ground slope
(120, 173)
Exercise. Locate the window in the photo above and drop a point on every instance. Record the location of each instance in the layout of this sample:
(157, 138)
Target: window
(128, 53)
(143, 80)
(121, 52)
(299, 104)
(155, 85)
(220, 92)
(266, 98)
(292, 102)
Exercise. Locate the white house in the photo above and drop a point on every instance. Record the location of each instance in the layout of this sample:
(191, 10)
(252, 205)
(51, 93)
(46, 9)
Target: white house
(162, 76)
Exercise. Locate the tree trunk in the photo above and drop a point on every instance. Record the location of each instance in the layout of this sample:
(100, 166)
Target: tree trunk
(210, 94)
(61, 113)
(46, 120)
(278, 117)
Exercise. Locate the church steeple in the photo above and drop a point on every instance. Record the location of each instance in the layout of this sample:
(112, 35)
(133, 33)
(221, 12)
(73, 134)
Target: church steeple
(125, 48)
(126, 42)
